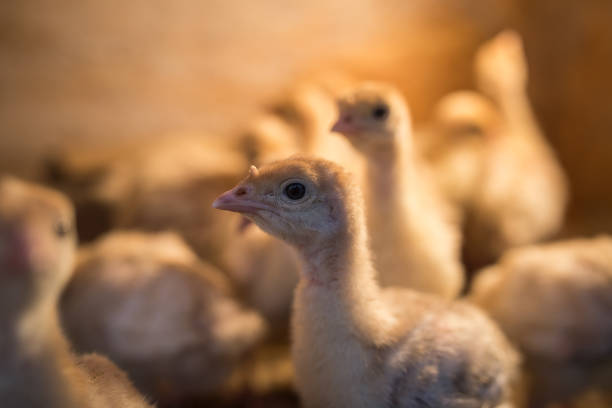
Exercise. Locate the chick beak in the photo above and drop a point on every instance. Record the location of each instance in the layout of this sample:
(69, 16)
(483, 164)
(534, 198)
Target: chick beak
(344, 125)
(239, 200)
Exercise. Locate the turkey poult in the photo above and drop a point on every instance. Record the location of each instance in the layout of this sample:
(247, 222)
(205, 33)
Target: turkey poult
(354, 344)
(414, 240)
(167, 318)
(37, 369)
(514, 190)
(523, 197)
(555, 302)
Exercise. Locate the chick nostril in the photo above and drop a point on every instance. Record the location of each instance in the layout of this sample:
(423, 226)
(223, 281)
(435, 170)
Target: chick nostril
(241, 191)
(348, 119)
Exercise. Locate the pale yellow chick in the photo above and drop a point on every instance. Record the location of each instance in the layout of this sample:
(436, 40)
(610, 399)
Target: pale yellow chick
(353, 343)
(414, 240)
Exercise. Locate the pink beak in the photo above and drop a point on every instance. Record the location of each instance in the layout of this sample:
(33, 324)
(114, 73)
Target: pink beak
(237, 200)
(344, 125)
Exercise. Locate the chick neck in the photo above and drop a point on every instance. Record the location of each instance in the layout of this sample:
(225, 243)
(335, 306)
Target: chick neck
(32, 328)
(338, 276)
(34, 355)
(389, 177)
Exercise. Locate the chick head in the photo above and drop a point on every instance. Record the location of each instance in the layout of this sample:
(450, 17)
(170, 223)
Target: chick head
(372, 115)
(302, 201)
(37, 241)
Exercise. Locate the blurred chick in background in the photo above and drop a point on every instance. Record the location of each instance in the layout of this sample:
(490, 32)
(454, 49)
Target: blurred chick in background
(414, 240)
(555, 302)
(162, 314)
(492, 160)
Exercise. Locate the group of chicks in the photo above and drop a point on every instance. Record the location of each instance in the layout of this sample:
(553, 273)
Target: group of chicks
(404, 264)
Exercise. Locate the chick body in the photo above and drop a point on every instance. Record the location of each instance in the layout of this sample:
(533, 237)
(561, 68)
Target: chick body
(492, 160)
(554, 301)
(152, 305)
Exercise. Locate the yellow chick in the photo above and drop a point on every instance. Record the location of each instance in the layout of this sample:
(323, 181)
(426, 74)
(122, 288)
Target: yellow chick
(353, 343)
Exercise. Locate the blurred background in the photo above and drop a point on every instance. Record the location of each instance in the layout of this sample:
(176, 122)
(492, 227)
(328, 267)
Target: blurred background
(88, 73)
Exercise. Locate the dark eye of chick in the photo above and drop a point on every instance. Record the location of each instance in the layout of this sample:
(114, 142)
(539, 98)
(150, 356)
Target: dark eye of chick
(295, 191)
(380, 112)
(62, 229)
